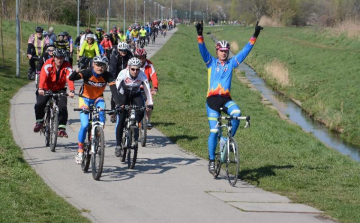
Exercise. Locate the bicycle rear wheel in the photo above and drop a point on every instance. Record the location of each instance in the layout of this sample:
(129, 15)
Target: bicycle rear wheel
(217, 165)
(97, 159)
(143, 131)
(131, 158)
(232, 162)
(87, 157)
(54, 123)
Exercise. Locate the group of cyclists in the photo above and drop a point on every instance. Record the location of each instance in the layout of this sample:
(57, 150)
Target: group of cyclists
(128, 73)
(103, 59)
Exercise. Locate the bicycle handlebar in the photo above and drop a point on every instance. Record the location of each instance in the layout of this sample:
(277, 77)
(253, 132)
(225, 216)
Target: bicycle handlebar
(97, 110)
(247, 118)
(129, 107)
(50, 93)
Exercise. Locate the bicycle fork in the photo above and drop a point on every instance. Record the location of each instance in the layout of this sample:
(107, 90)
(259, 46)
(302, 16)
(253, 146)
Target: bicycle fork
(93, 138)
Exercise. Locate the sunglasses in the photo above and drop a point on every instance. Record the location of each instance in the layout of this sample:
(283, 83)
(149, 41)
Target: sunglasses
(123, 51)
(135, 69)
(100, 65)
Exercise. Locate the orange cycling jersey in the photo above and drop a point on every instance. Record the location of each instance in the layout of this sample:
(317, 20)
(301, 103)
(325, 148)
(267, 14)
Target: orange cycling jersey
(94, 84)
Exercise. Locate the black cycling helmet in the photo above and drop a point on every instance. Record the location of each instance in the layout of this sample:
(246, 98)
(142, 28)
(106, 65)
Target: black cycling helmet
(66, 33)
(82, 32)
(39, 29)
(59, 53)
(61, 34)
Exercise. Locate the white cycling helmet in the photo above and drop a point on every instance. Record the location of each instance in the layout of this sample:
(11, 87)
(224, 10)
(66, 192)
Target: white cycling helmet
(122, 46)
(101, 59)
(134, 61)
(222, 45)
(90, 36)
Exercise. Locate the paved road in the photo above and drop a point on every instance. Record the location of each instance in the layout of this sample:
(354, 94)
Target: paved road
(167, 184)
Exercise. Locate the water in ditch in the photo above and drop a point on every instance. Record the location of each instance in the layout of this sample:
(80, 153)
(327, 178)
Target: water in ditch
(297, 115)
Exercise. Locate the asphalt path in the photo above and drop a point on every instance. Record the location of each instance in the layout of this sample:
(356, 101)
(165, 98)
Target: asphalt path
(168, 184)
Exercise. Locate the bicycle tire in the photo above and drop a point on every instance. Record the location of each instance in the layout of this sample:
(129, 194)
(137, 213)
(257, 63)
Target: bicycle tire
(37, 80)
(143, 131)
(232, 162)
(85, 164)
(54, 124)
(46, 126)
(131, 158)
(97, 159)
(217, 165)
(123, 147)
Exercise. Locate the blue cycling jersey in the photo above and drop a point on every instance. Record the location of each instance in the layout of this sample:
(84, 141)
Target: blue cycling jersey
(220, 75)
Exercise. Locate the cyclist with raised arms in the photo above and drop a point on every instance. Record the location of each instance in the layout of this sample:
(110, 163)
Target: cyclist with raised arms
(128, 84)
(53, 77)
(220, 71)
(91, 92)
(148, 68)
(118, 61)
(36, 45)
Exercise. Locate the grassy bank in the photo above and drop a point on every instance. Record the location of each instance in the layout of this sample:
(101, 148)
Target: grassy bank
(317, 68)
(24, 195)
(276, 155)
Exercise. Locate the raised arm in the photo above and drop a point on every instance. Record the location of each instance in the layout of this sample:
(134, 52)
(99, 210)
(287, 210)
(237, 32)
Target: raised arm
(203, 51)
(240, 57)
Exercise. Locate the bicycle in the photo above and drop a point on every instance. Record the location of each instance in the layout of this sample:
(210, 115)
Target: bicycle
(130, 140)
(51, 120)
(94, 145)
(228, 151)
(153, 38)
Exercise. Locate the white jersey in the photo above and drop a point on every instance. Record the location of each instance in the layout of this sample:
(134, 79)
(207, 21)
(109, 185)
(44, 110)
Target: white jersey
(127, 85)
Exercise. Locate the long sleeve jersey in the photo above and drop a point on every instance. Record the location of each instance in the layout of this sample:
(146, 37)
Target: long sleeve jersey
(94, 84)
(89, 51)
(220, 75)
(51, 79)
(127, 85)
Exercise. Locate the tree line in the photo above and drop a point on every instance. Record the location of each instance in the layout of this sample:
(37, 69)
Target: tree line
(283, 12)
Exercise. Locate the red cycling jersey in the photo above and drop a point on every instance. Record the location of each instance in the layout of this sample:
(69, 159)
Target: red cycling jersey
(50, 81)
(150, 73)
(106, 44)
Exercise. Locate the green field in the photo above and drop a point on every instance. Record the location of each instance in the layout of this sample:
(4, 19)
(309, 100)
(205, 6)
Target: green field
(24, 195)
(323, 71)
(276, 156)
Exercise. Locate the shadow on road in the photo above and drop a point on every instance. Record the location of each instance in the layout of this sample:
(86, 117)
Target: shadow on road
(144, 166)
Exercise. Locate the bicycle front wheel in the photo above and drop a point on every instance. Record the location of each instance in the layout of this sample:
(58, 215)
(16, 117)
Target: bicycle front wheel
(143, 131)
(46, 127)
(54, 124)
(97, 159)
(132, 152)
(232, 162)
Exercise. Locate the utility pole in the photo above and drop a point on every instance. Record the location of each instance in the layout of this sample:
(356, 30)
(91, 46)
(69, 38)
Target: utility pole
(135, 11)
(144, 12)
(108, 18)
(124, 17)
(78, 17)
(190, 13)
(17, 39)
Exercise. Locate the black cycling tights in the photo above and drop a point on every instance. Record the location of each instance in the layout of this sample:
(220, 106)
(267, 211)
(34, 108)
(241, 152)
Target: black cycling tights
(137, 100)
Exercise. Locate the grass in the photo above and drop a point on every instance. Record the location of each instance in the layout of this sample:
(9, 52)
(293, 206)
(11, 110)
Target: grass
(322, 68)
(276, 156)
(24, 195)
